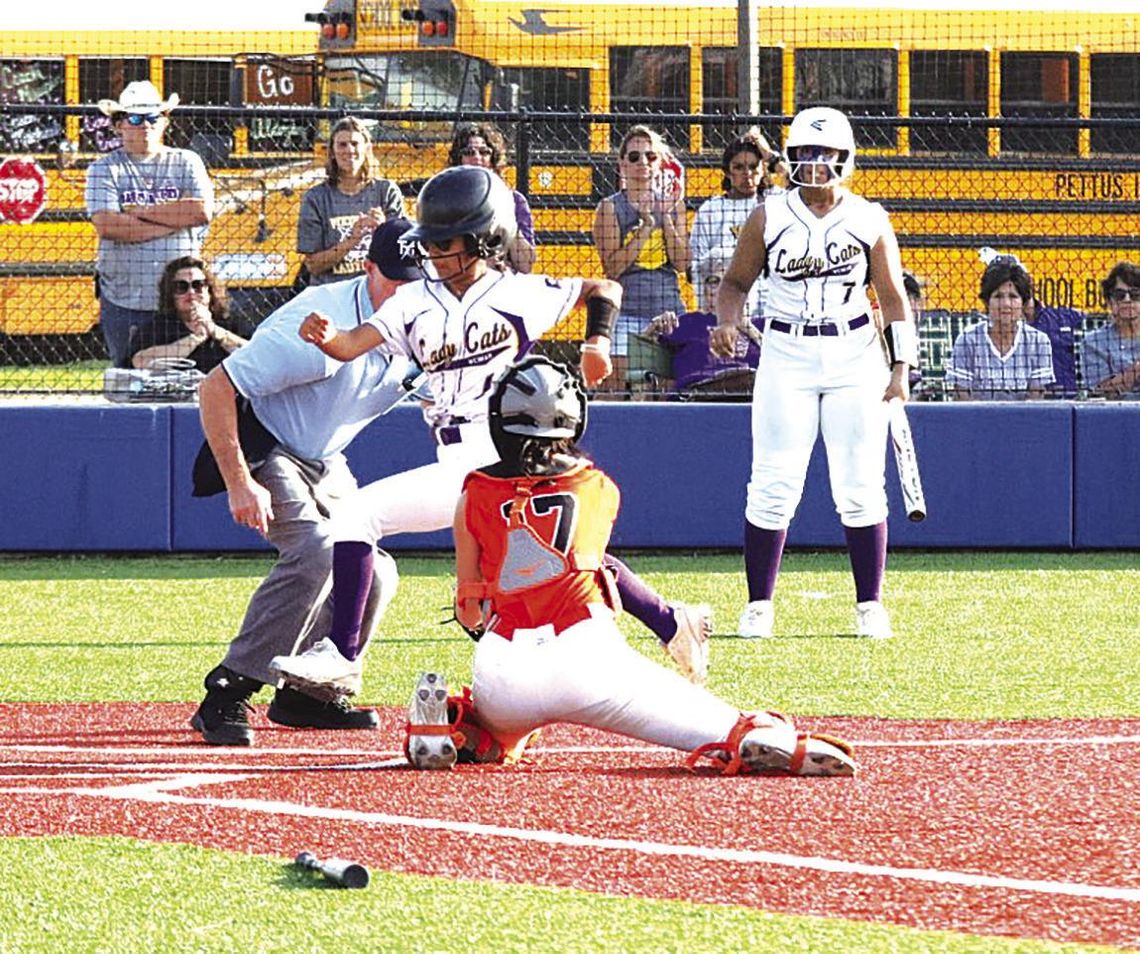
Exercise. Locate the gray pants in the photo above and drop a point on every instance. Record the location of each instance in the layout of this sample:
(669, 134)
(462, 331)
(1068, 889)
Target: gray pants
(290, 609)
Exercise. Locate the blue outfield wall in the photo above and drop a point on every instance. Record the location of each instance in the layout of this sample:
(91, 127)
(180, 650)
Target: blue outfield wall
(1054, 476)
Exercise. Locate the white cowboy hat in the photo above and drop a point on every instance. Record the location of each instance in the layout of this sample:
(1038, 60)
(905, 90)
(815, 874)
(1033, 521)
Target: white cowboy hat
(140, 96)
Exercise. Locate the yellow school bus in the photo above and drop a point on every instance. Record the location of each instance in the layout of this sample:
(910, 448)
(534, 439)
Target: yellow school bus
(995, 126)
(47, 267)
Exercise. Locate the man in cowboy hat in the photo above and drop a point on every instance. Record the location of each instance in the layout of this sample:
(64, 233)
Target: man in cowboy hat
(149, 203)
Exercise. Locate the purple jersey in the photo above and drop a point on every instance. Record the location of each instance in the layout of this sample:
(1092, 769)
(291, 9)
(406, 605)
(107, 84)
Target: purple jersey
(694, 364)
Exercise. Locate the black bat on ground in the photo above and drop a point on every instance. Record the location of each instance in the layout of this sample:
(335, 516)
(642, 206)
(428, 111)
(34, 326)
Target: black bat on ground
(344, 874)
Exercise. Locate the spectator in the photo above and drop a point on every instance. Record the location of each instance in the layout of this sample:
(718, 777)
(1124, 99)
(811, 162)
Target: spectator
(149, 203)
(1058, 324)
(696, 370)
(338, 216)
(746, 163)
(481, 144)
(192, 320)
(641, 239)
(1110, 356)
(1002, 358)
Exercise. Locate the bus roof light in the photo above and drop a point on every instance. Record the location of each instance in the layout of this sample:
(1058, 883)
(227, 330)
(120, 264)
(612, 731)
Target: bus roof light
(441, 28)
(328, 31)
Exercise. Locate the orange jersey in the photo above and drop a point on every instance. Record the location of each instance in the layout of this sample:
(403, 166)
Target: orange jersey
(544, 564)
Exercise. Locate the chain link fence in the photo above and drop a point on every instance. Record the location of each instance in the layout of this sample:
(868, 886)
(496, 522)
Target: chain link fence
(964, 189)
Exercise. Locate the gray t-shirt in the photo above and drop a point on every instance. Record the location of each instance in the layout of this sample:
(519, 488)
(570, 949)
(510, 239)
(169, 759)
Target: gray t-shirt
(313, 404)
(976, 365)
(129, 271)
(327, 218)
(649, 285)
(1105, 353)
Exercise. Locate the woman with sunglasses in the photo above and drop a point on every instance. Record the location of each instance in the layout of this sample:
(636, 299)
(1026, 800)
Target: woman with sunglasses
(481, 144)
(339, 216)
(1110, 356)
(192, 321)
(149, 203)
(747, 164)
(642, 240)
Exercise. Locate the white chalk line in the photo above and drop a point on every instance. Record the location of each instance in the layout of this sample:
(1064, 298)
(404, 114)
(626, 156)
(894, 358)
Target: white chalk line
(160, 792)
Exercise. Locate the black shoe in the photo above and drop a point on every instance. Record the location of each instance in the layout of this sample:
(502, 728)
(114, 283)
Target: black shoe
(223, 716)
(299, 711)
(224, 723)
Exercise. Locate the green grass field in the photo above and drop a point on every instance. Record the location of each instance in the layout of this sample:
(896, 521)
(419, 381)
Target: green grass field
(978, 636)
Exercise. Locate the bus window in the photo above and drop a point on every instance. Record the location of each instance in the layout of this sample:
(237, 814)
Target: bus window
(105, 78)
(859, 82)
(1115, 93)
(200, 83)
(948, 83)
(31, 81)
(721, 90)
(558, 91)
(1039, 84)
(413, 80)
(650, 79)
(276, 81)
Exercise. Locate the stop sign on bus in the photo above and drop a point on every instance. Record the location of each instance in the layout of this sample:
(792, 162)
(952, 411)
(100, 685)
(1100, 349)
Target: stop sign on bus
(23, 191)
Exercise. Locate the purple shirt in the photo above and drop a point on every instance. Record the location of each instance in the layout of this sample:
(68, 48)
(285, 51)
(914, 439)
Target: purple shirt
(694, 363)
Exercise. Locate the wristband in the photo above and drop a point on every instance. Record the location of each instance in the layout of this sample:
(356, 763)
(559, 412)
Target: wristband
(600, 315)
(902, 342)
(592, 347)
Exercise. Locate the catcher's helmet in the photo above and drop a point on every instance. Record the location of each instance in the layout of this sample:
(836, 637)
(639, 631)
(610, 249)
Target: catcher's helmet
(538, 398)
(825, 127)
(470, 201)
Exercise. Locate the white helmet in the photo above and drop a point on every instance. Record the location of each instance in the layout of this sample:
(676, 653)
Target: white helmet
(826, 127)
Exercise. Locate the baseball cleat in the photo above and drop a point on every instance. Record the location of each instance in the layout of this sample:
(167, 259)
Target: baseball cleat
(872, 621)
(689, 646)
(429, 744)
(321, 667)
(757, 620)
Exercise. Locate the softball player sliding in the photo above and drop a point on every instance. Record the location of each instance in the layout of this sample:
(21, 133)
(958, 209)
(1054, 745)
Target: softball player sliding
(530, 538)
(463, 325)
(821, 368)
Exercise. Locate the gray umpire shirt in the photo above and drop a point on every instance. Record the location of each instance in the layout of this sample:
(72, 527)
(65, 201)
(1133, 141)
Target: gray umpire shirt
(313, 404)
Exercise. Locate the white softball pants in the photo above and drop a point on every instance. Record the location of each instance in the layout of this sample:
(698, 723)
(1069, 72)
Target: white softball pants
(805, 386)
(419, 500)
(588, 675)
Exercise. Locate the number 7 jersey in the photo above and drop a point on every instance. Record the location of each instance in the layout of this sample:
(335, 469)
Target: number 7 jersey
(819, 267)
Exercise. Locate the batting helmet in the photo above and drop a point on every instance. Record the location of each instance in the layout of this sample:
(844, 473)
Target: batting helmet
(537, 397)
(823, 127)
(469, 201)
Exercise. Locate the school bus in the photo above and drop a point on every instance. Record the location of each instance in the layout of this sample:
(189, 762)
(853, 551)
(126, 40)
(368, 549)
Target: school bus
(976, 127)
(47, 267)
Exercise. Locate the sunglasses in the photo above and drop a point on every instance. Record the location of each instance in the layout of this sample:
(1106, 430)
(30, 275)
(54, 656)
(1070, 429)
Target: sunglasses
(635, 155)
(481, 151)
(137, 119)
(1125, 294)
(181, 286)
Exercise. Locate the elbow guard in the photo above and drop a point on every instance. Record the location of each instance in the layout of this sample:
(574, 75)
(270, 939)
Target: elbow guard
(600, 316)
(902, 342)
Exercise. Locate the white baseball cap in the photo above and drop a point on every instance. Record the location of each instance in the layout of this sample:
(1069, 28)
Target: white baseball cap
(141, 96)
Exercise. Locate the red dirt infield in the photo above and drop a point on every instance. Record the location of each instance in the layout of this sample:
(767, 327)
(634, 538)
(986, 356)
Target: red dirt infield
(1023, 829)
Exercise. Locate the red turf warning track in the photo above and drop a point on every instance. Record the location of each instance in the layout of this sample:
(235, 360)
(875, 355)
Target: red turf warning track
(1026, 829)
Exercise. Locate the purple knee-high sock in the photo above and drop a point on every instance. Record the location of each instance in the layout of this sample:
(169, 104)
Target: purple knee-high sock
(641, 602)
(352, 582)
(763, 551)
(867, 548)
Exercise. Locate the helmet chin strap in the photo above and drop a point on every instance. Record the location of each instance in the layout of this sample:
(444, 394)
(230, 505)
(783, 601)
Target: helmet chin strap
(423, 260)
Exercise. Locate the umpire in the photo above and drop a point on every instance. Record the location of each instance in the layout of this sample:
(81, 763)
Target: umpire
(277, 415)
